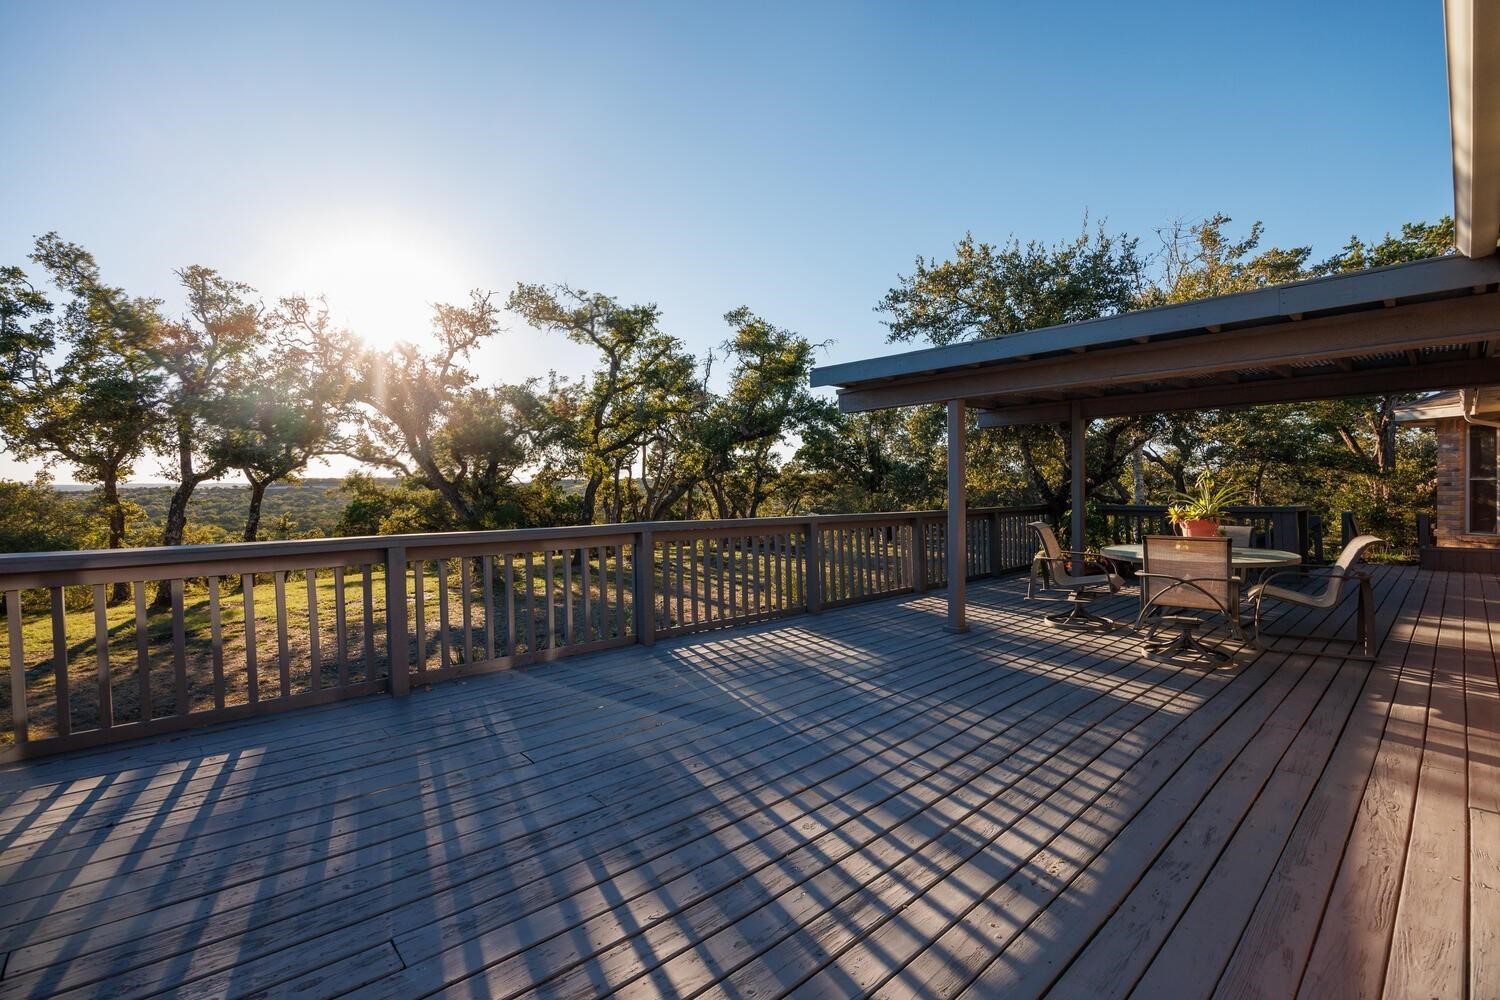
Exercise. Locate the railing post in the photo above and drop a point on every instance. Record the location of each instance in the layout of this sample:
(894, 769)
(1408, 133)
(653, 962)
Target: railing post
(645, 588)
(397, 631)
(918, 556)
(812, 586)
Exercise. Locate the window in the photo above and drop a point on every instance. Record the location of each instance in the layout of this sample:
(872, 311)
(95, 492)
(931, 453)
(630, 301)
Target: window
(1482, 465)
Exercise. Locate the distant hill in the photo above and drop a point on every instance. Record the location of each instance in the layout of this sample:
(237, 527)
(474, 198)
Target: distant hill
(311, 507)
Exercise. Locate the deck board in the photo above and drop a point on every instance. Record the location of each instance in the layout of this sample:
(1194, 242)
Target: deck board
(858, 802)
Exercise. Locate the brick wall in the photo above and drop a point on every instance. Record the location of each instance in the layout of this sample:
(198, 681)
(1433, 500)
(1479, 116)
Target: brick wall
(1452, 457)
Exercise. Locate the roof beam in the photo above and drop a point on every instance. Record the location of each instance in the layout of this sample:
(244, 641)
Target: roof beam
(1446, 321)
(1473, 33)
(1328, 385)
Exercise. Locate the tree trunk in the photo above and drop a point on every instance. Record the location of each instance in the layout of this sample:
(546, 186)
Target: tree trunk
(590, 498)
(176, 527)
(1387, 435)
(119, 591)
(1138, 474)
(252, 517)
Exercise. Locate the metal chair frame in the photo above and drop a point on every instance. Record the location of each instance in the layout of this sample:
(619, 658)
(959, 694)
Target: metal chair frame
(1186, 626)
(1364, 639)
(1054, 573)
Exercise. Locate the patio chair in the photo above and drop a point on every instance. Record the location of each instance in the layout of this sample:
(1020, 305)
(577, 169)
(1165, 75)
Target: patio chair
(1241, 536)
(1342, 572)
(1084, 583)
(1187, 575)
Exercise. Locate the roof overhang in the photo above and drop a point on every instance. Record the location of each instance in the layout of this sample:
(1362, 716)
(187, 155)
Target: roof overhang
(1427, 325)
(1480, 402)
(1444, 405)
(1473, 35)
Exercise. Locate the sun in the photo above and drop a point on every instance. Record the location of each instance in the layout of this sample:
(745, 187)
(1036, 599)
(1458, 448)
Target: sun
(380, 278)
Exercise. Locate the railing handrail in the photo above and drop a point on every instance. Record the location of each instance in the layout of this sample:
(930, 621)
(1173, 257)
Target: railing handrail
(1128, 508)
(156, 556)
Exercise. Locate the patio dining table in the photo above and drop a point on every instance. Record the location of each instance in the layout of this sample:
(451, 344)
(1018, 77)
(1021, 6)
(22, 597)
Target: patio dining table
(1241, 559)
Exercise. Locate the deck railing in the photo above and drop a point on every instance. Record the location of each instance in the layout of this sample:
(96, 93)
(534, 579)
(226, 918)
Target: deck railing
(216, 633)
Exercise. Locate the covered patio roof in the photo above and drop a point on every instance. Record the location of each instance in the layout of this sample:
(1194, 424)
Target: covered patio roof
(1431, 324)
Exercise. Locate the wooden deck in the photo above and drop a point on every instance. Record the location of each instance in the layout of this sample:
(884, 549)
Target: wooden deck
(853, 803)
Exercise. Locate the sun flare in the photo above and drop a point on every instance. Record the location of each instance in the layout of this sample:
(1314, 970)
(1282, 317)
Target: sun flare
(380, 280)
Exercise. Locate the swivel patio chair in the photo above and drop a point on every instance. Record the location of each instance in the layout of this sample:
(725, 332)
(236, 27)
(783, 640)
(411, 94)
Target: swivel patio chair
(1084, 583)
(1241, 536)
(1192, 575)
(1342, 572)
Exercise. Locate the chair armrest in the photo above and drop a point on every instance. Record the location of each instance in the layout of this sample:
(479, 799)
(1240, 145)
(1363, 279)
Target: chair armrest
(1332, 572)
(1190, 583)
(1189, 579)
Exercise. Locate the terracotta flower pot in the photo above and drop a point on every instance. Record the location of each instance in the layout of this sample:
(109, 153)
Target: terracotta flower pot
(1200, 528)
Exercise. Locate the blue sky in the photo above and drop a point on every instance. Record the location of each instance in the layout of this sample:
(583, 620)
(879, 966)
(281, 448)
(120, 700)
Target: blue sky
(791, 157)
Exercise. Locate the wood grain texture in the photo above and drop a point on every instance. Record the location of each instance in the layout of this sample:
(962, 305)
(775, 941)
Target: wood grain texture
(854, 802)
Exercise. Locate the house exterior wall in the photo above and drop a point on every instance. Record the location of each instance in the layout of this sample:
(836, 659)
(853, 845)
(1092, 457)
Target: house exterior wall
(1452, 457)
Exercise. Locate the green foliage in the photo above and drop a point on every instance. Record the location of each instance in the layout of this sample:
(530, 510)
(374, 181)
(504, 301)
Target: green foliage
(79, 383)
(988, 291)
(39, 519)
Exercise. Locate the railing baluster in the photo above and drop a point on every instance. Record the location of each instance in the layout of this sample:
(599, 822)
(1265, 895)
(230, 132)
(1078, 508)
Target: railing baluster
(216, 640)
(671, 577)
(755, 576)
(488, 582)
(466, 592)
(444, 659)
(101, 649)
(397, 634)
(314, 652)
(588, 597)
(550, 598)
(530, 607)
(367, 596)
(778, 555)
(284, 660)
(565, 556)
(179, 650)
(694, 563)
(419, 607)
(681, 582)
(340, 627)
(727, 554)
(866, 556)
(773, 569)
(18, 721)
(816, 571)
(723, 581)
(60, 691)
(512, 646)
(619, 591)
(252, 679)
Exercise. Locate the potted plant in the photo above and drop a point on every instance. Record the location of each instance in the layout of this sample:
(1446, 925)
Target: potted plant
(1199, 511)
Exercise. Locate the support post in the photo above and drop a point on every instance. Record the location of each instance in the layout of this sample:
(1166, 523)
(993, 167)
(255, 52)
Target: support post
(813, 585)
(1077, 452)
(957, 517)
(398, 633)
(644, 591)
